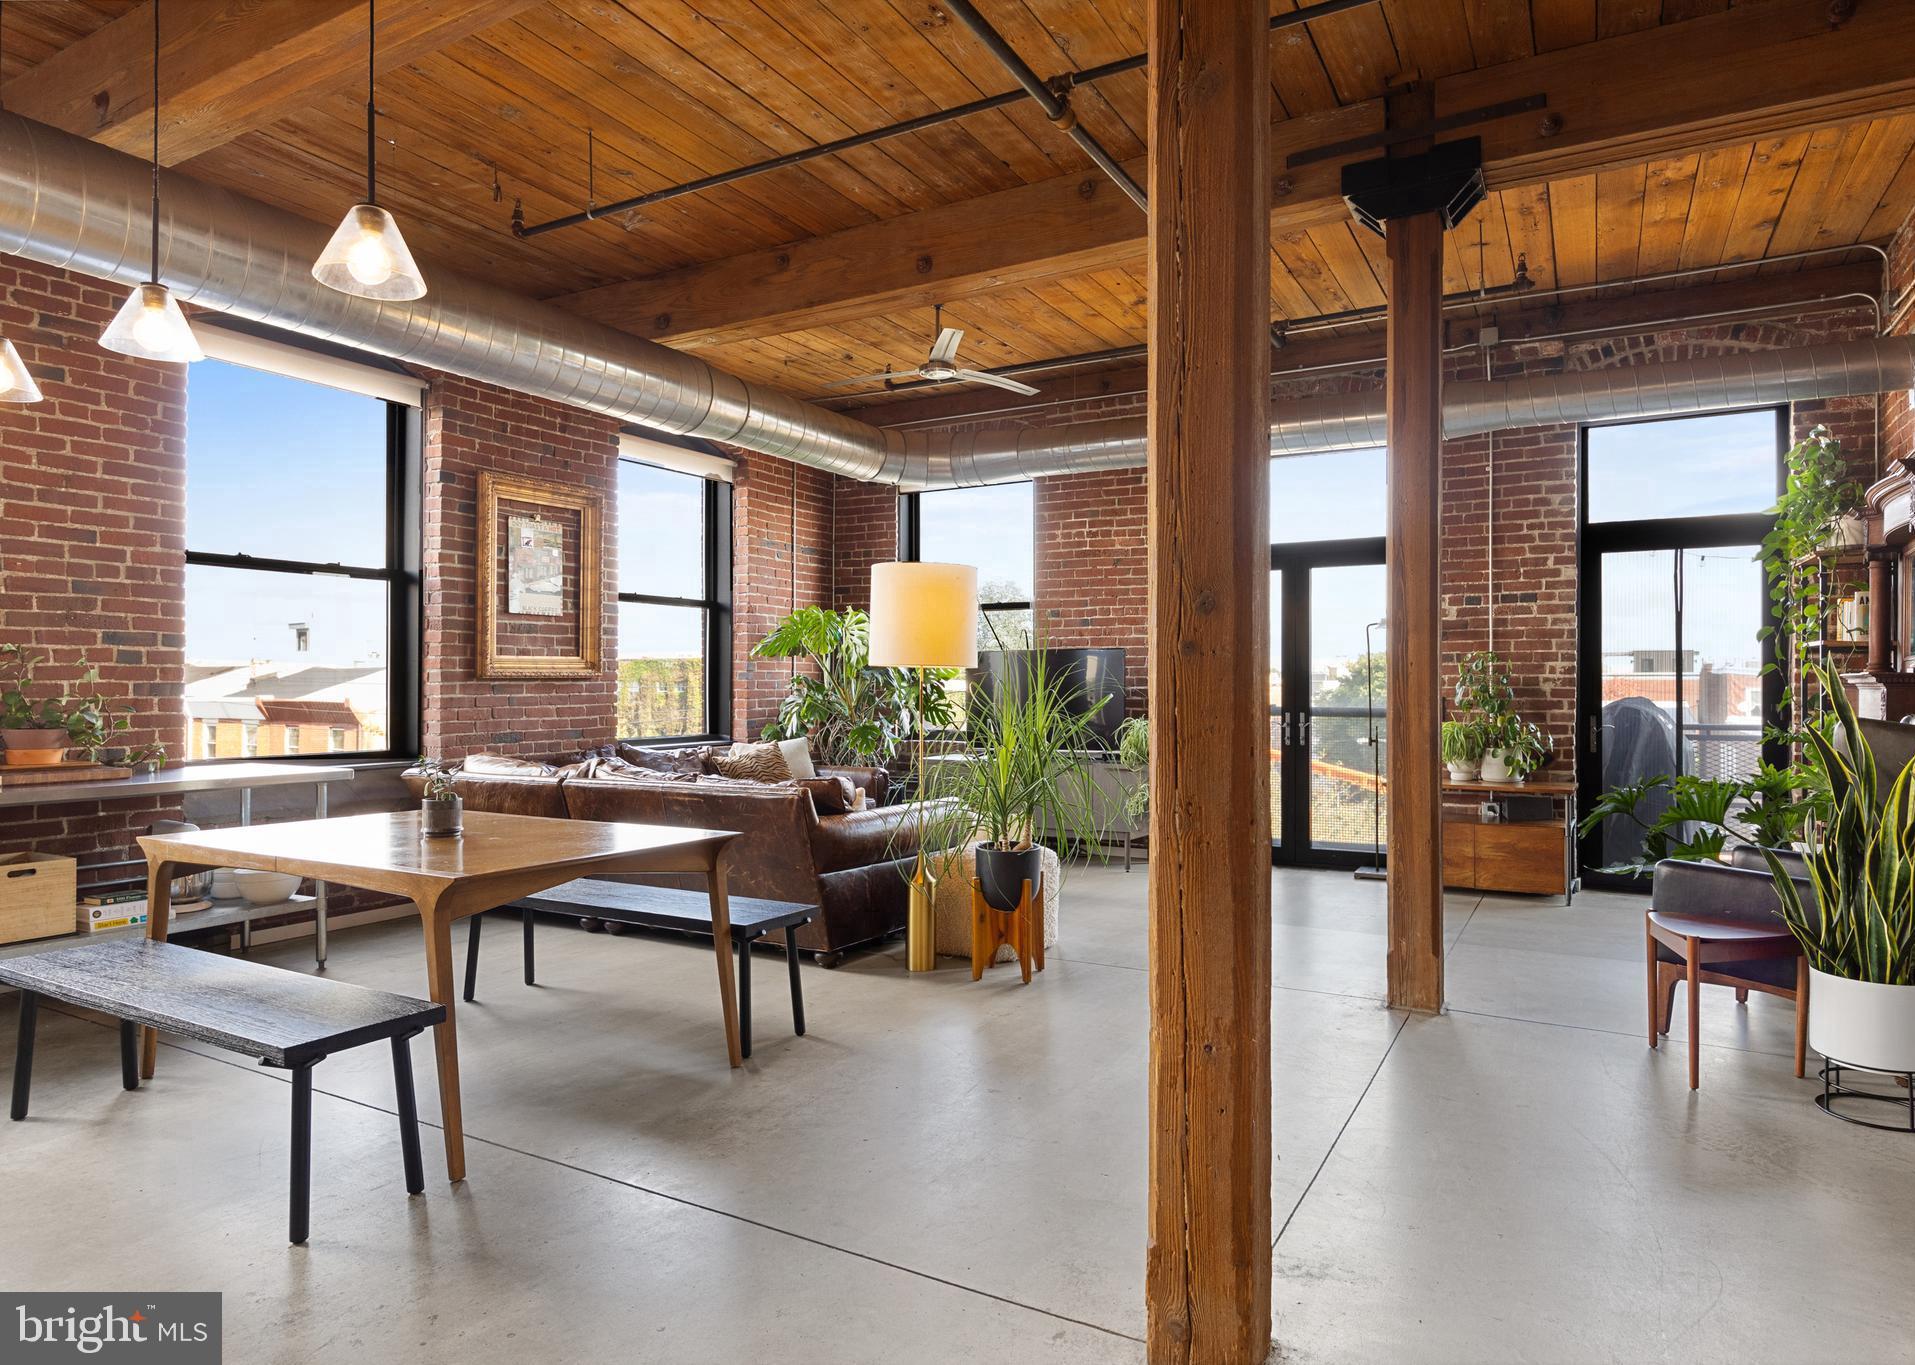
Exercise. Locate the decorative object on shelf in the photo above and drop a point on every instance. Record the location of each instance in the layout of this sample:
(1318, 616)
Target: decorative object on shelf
(1859, 930)
(1814, 518)
(38, 892)
(441, 808)
(367, 254)
(852, 711)
(145, 758)
(923, 616)
(1030, 772)
(150, 324)
(37, 730)
(265, 888)
(1511, 747)
(1462, 750)
(540, 582)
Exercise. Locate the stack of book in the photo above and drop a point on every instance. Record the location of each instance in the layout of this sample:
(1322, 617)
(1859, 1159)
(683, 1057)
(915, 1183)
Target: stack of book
(118, 909)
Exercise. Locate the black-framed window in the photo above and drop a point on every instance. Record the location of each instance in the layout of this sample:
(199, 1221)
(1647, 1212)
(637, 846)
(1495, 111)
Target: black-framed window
(674, 603)
(993, 527)
(1674, 672)
(302, 568)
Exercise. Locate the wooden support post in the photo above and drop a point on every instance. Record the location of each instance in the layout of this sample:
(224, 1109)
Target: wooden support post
(1208, 1263)
(1414, 346)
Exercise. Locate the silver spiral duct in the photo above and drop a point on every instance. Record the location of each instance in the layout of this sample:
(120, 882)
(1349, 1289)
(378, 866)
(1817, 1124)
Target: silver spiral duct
(74, 204)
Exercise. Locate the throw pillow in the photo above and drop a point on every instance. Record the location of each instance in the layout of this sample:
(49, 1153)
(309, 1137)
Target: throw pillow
(752, 762)
(797, 754)
(829, 795)
(688, 760)
(502, 765)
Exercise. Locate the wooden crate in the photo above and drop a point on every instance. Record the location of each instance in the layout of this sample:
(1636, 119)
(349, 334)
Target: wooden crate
(38, 892)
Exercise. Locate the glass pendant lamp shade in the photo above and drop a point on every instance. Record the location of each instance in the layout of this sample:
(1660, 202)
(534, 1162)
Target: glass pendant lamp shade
(151, 326)
(367, 256)
(16, 383)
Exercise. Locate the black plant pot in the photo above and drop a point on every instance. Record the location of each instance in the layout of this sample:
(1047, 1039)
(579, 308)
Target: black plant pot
(1002, 872)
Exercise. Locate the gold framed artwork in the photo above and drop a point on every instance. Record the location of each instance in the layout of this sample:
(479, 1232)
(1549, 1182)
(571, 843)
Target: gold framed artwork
(539, 586)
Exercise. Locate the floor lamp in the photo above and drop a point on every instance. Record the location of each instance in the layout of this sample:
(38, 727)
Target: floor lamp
(923, 616)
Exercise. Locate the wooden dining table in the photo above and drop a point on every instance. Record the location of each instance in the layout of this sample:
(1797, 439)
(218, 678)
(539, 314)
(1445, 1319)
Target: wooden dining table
(497, 860)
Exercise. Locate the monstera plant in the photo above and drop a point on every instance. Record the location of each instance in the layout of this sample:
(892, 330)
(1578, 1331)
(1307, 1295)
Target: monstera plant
(850, 711)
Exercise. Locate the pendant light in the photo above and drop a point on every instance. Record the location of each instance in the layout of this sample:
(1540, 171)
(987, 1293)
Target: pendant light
(16, 381)
(367, 255)
(149, 324)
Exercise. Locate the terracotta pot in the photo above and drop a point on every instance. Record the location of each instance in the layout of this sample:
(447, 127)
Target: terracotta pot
(1002, 872)
(33, 746)
(1862, 1024)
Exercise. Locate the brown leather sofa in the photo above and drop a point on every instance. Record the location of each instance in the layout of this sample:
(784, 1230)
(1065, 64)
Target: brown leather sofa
(854, 866)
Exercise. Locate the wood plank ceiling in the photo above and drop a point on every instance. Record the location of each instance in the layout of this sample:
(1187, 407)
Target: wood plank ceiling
(671, 90)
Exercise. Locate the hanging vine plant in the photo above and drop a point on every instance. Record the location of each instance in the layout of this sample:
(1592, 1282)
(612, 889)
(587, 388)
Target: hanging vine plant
(1818, 496)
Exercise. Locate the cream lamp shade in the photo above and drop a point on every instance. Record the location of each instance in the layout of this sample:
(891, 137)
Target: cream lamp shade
(923, 615)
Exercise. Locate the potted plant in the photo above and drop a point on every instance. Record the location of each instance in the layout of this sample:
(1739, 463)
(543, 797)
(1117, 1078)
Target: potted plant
(1859, 930)
(1512, 747)
(851, 712)
(1133, 754)
(1029, 771)
(1462, 750)
(1817, 517)
(146, 758)
(441, 809)
(39, 729)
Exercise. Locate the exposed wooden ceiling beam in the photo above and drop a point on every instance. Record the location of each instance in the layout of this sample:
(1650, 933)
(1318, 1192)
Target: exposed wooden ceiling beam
(228, 67)
(1757, 70)
(1517, 320)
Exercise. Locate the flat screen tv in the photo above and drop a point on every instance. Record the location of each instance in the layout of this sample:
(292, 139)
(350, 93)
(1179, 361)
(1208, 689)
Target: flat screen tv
(1093, 678)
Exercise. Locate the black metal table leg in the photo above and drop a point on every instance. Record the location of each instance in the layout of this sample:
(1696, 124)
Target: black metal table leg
(797, 991)
(744, 996)
(408, 1112)
(472, 956)
(23, 1052)
(129, 1054)
(300, 1203)
(525, 919)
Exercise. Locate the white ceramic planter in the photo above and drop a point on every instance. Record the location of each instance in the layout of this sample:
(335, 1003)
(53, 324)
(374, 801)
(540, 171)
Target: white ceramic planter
(1463, 772)
(1862, 1023)
(1495, 766)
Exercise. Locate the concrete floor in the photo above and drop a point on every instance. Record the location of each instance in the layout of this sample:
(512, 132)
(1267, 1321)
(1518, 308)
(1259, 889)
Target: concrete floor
(943, 1171)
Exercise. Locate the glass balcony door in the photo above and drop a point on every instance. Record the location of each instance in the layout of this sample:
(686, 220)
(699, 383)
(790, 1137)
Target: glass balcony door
(1327, 697)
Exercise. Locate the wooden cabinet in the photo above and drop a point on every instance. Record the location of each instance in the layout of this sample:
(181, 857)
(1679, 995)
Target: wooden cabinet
(1528, 858)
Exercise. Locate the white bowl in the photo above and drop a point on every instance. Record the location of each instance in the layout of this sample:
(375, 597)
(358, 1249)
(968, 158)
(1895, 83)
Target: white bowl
(265, 888)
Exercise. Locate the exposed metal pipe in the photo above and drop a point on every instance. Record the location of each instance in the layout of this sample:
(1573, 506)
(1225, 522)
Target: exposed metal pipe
(1056, 108)
(1357, 421)
(70, 203)
(1068, 79)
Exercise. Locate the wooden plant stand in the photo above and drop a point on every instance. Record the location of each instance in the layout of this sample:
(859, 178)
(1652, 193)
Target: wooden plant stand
(1022, 928)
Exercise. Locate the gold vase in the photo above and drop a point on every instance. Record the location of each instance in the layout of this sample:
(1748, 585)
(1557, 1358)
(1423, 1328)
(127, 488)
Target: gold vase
(920, 925)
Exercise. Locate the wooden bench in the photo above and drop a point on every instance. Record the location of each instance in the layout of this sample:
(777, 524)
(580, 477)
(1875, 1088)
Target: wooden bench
(662, 907)
(285, 1019)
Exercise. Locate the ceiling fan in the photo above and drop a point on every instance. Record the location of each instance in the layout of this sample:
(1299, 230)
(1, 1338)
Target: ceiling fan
(940, 367)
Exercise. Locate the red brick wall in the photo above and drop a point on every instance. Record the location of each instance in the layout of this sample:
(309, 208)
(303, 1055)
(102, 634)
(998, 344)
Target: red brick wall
(1092, 580)
(92, 528)
(472, 428)
(864, 520)
(781, 559)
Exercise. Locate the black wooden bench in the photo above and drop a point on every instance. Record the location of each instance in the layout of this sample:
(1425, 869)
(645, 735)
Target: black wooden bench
(663, 907)
(286, 1019)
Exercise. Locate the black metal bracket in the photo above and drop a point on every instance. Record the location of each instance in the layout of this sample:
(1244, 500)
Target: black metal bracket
(1447, 180)
(1392, 137)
